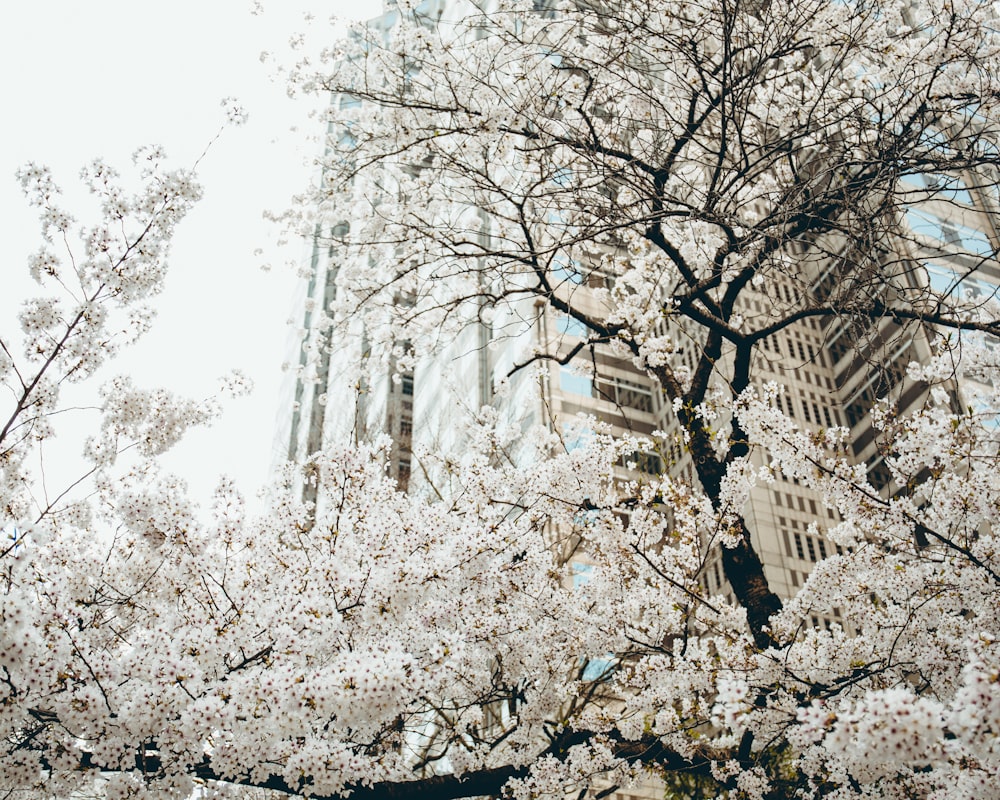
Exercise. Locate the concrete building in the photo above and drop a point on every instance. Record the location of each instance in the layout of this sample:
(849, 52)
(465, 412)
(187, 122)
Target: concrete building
(833, 370)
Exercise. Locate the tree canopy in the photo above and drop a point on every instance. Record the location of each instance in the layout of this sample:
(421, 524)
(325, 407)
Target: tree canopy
(653, 171)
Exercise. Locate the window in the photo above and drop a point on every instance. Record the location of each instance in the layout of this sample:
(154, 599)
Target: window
(938, 187)
(544, 8)
(570, 326)
(841, 342)
(974, 241)
(650, 463)
(935, 141)
(625, 393)
(582, 574)
(574, 384)
(567, 269)
(575, 437)
(563, 176)
(598, 669)
(942, 280)
(958, 236)
(425, 13)
(879, 475)
(930, 225)
(407, 381)
(855, 412)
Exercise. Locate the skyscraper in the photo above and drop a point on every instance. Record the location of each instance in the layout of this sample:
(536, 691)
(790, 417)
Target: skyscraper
(552, 369)
(864, 259)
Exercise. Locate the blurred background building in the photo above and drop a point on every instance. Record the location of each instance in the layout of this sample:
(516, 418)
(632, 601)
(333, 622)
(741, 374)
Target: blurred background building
(833, 368)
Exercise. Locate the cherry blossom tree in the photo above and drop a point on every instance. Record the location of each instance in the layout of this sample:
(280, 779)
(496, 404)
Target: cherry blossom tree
(648, 170)
(693, 157)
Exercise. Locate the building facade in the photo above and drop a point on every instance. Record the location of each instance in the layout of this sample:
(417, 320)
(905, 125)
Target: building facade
(834, 369)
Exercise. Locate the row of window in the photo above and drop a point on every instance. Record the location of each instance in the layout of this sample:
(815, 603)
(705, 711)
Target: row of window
(877, 385)
(814, 412)
(641, 460)
(759, 307)
(797, 348)
(782, 290)
(619, 391)
(625, 393)
(716, 572)
(806, 547)
(798, 501)
(845, 336)
(812, 546)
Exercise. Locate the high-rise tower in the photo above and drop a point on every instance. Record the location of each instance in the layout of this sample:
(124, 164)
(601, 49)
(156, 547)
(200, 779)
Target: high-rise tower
(554, 371)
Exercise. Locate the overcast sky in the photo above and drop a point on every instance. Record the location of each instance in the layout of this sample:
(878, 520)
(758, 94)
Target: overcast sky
(102, 77)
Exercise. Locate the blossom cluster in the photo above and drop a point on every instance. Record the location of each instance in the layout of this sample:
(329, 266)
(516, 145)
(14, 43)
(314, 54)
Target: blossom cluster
(654, 173)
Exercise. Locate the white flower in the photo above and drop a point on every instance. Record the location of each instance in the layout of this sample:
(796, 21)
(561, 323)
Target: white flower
(235, 113)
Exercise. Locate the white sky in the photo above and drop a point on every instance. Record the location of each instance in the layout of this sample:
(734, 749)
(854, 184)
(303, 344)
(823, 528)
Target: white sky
(102, 77)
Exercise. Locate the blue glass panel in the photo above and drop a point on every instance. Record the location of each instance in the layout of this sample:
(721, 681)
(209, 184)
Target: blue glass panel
(938, 186)
(562, 176)
(596, 668)
(926, 224)
(582, 574)
(574, 384)
(941, 279)
(947, 187)
(973, 241)
(564, 269)
(574, 438)
(947, 281)
(570, 326)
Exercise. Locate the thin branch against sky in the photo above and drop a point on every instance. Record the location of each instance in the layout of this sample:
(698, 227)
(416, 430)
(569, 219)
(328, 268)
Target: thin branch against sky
(88, 80)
